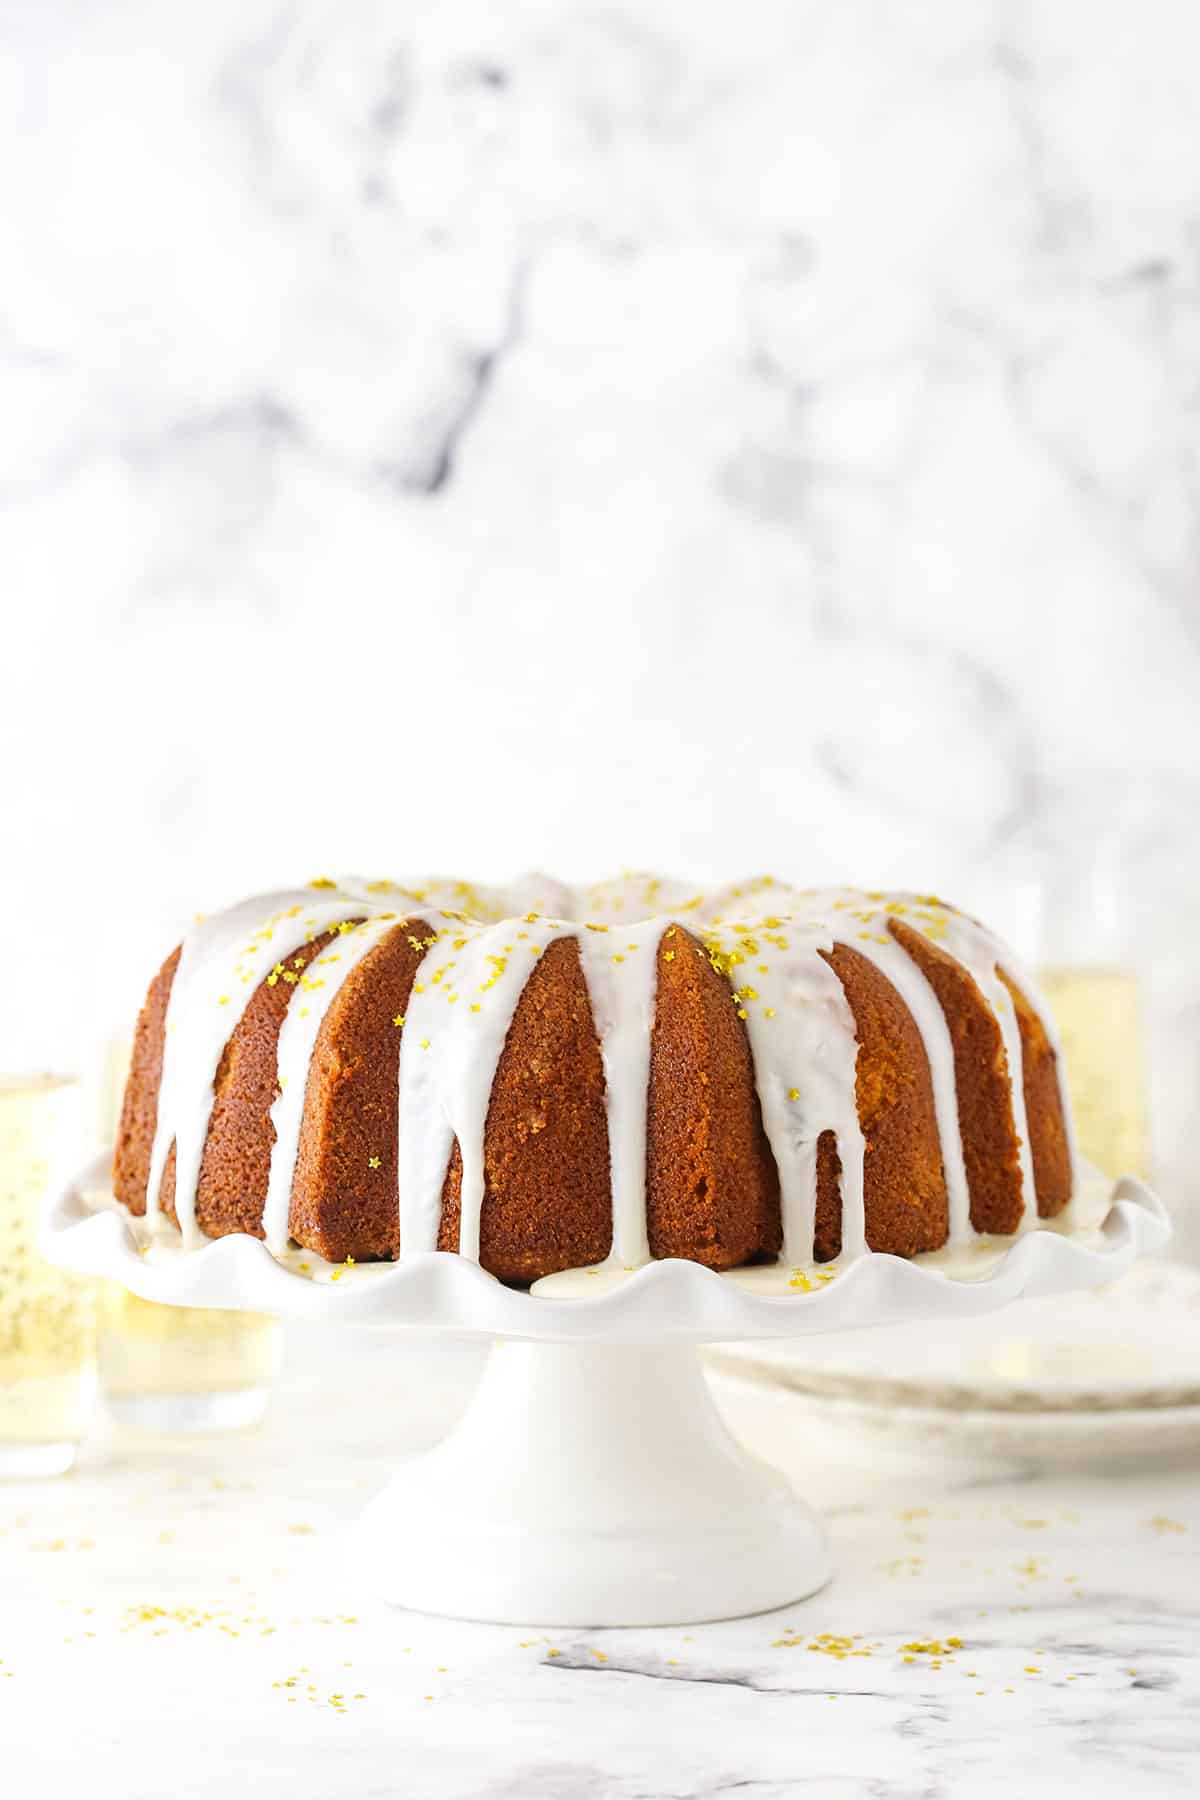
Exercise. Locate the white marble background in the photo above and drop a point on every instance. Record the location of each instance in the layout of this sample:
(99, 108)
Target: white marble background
(450, 435)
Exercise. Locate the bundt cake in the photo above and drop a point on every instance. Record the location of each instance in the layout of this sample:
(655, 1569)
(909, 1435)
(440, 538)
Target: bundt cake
(542, 1078)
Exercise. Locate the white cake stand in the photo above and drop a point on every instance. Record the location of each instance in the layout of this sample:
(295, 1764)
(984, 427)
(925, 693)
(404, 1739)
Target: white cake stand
(591, 1480)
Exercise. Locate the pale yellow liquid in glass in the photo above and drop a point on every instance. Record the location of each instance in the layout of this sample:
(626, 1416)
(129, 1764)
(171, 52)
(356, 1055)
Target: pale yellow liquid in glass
(47, 1317)
(1098, 1013)
(147, 1349)
(151, 1351)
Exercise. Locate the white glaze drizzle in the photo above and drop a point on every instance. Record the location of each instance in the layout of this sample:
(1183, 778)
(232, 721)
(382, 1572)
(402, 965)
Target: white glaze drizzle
(318, 987)
(982, 954)
(622, 986)
(448, 1059)
(1019, 974)
(892, 960)
(805, 1072)
(222, 962)
(479, 950)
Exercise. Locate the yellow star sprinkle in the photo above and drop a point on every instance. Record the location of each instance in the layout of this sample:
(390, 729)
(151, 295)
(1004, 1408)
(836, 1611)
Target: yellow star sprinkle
(372, 1162)
(398, 1019)
(793, 1093)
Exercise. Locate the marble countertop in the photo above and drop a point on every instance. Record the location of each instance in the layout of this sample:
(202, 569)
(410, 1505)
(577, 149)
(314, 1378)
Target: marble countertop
(178, 1613)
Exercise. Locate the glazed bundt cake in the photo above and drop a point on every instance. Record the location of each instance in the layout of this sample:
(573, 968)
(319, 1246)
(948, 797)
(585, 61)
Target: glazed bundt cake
(542, 1078)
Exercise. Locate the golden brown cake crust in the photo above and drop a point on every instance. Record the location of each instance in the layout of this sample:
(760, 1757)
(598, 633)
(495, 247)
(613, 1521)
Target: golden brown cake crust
(235, 1168)
(139, 1108)
(546, 1202)
(344, 1189)
(991, 1151)
(712, 1188)
(1048, 1146)
(904, 1182)
(827, 1235)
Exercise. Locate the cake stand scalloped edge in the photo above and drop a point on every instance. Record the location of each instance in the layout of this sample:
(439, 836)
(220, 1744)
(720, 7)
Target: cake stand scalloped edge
(591, 1481)
(670, 1300)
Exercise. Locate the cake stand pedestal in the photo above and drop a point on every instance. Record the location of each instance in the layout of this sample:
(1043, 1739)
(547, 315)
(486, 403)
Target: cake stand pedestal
(591, 1480)
(592, 1486)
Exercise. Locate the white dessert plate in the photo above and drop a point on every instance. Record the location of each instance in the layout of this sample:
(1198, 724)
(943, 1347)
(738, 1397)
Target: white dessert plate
(1129, 1345)
(781, 1422)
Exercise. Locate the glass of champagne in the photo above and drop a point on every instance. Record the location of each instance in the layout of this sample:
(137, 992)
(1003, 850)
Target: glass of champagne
(1089, 973)
(1079, 879)
(1098, 1011)
(178, 1368)
(184, 1368)
(47, 1316)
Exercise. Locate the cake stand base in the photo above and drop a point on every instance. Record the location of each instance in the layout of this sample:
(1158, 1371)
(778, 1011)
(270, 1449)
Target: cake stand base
(589, 1486)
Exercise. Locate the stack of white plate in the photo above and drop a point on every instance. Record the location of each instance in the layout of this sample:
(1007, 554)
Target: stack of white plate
(1106, 1374)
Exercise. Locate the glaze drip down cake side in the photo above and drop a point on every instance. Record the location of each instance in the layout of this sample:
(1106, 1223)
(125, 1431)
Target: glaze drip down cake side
(542, 1078)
